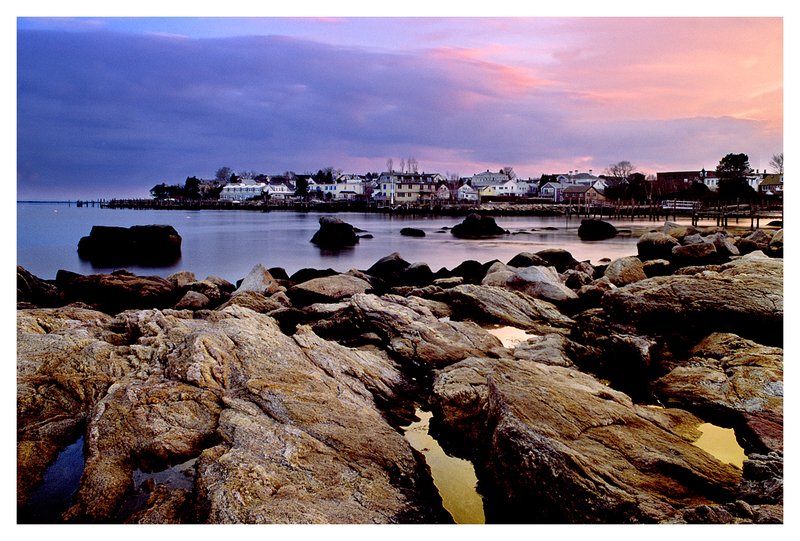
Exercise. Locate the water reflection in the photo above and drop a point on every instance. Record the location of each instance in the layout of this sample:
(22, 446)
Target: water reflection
(510, 337)
(61, 480)
(721, 444)
(454, 477)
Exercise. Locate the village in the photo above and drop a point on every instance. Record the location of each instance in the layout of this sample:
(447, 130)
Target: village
(407, 187)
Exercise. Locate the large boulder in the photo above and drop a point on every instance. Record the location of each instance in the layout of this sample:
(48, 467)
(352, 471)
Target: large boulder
(285, 429)
(559, 258)
(410, 331)
(35, 291)
(412, 232)
(538, 282)
(592, 229)
(117, 291)
(625, 270)
(259, 280)
(149, 245)
(497, 305)
(334, 233)
(655, 245)
(477, 226)
(328, 289)
(549, 431)
(744, 296)
(734, 382)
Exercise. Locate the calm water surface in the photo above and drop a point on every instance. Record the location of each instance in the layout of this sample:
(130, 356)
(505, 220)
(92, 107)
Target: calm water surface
(229, 243)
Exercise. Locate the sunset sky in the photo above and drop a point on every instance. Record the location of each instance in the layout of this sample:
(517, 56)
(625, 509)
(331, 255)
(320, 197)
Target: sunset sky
(109, 107)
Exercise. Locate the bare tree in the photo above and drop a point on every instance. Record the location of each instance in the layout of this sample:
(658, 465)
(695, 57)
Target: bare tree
(509, 171)
(389, 165)
(620, 171)
(777, 163)
(402, 165)
(224, 174)
(413, 166)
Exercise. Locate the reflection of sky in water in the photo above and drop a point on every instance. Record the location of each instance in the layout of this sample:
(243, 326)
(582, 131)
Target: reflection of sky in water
(454, 477)
(721, 444)
(230, 243)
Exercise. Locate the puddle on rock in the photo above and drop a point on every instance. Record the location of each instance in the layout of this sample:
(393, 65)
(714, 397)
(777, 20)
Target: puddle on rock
(60, 482)
(510, 337)
(454, 477)
(721, 444)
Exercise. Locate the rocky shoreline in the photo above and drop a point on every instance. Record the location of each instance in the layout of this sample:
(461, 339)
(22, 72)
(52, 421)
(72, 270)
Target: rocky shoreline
(288, 393)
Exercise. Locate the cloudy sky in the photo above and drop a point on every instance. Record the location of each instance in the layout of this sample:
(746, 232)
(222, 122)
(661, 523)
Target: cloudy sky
(109, 107)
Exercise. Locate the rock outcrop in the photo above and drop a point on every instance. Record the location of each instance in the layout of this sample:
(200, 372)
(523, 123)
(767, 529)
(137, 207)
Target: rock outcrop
(334, 234)
(550, 431)
(592, 229)
(476, 226)
(149, 245)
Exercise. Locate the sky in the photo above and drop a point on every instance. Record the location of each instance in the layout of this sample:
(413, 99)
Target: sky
(111, 106)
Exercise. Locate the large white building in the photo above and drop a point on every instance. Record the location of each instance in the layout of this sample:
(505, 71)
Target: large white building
(241, 191)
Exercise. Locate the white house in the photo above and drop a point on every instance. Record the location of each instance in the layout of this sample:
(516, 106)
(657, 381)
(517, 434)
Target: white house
(241, 191)
(466, 193)
(280, 190)
(481, 180)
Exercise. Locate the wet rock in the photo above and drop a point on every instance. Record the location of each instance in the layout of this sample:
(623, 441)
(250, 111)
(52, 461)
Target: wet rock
(417, 336)
(526, 259)
(477, 226)
(762, 479)
(558, 258)
(334, 234)
(118, 291)
(550, 431)
(306, 274)
(259, 280)
(181, 279)
(254, 301)
(150, 421)
(625, 270)
(657, 267)
(32, 289)
(489, 304)
(745, 297)
(192, 300)
(694, 254)
(546, 349)
(678, 231)
(471, 271)
(109, 246)
(655, 245)
(724, 244)
(328, 289)
(592, 229)
(734, 382)
(165, 506)
(538, 282)
(389, 268)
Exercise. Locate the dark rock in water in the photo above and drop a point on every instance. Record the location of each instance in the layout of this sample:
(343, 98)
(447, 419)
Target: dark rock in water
(36, 291)
(775, 223)
(412, 232)
(150, 245)
(334, 233)
(592, 229)
(477, 226)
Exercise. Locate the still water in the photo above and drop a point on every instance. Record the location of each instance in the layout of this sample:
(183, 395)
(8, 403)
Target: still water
(229, 243)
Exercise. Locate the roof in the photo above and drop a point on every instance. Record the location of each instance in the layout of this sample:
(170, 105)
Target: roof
(772, 180)
(576, 189)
